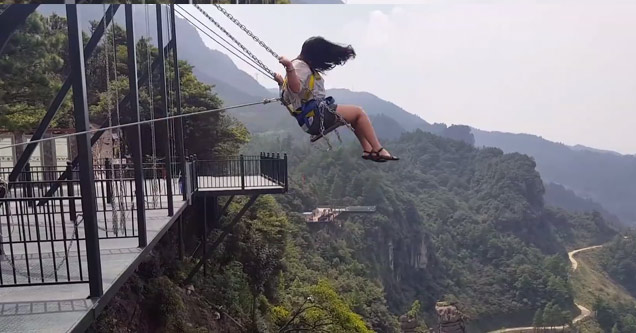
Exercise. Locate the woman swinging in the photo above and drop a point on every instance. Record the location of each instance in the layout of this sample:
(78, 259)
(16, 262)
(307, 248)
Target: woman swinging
(303, 91)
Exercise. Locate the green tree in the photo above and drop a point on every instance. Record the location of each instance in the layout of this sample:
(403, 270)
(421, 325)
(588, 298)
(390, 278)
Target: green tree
(537, 321)
(605, 315)
(629, 323)
(200, 131)
(620, 260)
(414, 310)
(324, 310)
(31, 69)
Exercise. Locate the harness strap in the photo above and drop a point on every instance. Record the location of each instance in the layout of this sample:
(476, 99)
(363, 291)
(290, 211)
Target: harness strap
(308, 94)
(308, 107)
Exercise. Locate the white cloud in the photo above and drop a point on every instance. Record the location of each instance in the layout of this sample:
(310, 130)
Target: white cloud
(379, 29)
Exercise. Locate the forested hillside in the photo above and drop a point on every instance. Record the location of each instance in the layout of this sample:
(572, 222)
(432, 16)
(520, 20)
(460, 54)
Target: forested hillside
(606, 178)
(453, 222)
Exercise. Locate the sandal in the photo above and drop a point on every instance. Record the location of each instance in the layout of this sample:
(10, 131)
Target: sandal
(366, 157)
(376, 157)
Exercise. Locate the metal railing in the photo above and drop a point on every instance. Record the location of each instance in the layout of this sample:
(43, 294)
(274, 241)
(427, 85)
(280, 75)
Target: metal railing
(242, 172)
(274, 168)
(43, 239)
(41, 244)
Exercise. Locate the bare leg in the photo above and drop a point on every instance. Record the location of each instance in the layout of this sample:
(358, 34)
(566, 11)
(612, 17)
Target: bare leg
(364, 131)
(366, 146)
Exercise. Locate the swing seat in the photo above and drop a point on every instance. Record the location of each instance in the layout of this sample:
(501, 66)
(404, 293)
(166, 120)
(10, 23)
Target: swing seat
(328, 130)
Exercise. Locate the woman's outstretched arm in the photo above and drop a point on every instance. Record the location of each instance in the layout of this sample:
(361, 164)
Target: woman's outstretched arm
(293, 82)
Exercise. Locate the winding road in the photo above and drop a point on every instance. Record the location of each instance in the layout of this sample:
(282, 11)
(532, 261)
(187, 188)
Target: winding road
(571, 254)
(585, 312)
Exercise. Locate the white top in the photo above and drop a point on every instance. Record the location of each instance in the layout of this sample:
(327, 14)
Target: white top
(303, 72)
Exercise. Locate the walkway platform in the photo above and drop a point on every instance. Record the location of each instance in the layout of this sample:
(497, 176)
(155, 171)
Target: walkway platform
(66, 307)
(60, 308)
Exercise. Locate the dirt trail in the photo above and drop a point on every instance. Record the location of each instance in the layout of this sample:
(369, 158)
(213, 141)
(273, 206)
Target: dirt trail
(585, 312)
(571, 254)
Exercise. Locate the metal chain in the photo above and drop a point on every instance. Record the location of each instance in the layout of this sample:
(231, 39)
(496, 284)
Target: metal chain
(247, 31)
(322, 124)
(268, 49)
(321, 109)
(256, 60)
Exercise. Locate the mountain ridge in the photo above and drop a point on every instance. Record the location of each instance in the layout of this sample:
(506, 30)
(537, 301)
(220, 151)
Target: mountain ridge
(555, 160)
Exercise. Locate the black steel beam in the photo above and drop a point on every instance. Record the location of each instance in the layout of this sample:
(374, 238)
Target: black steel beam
(204, 232)
(227, 204)
(164, 106)
(86, 175)
(135, 140)
(177, 86)
(207, 233)
(226, 231)
(10, 19)
(181, 244)
(122, 106)
(59, 98)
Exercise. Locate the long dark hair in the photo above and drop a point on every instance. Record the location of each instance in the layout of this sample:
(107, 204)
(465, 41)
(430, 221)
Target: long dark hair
(322, 55)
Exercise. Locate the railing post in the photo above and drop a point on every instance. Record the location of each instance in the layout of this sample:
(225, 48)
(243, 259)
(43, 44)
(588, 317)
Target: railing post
(84, 152)
(261, 164)
(70, 189)
(242, 168)
(285, 175)
(108, 165)
(194, 174)
(277, 168)
(266, 165)
(28, 186)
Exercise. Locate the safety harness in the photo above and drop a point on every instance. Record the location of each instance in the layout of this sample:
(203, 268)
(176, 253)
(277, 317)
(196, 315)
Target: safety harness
(309, 106)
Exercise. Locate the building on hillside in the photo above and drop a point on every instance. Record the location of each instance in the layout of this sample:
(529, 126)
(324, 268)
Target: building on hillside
(329, 214)
(320, 215)
(55, 152)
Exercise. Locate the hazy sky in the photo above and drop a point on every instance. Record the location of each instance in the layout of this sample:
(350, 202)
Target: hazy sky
(564, 70)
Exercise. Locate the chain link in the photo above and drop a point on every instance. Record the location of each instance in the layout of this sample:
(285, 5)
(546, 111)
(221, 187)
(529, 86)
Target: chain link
(247, 31)
(321, 113)
(321, 107)
(258, 61)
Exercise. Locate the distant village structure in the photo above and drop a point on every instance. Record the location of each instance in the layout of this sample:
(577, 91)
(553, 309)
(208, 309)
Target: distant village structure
(52, 153)
(329, 214)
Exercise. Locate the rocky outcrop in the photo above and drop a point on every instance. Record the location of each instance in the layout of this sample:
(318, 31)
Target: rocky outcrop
(450, 319)
(408, 324)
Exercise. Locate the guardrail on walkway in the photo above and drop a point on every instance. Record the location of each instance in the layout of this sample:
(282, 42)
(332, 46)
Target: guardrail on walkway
(43, 239)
